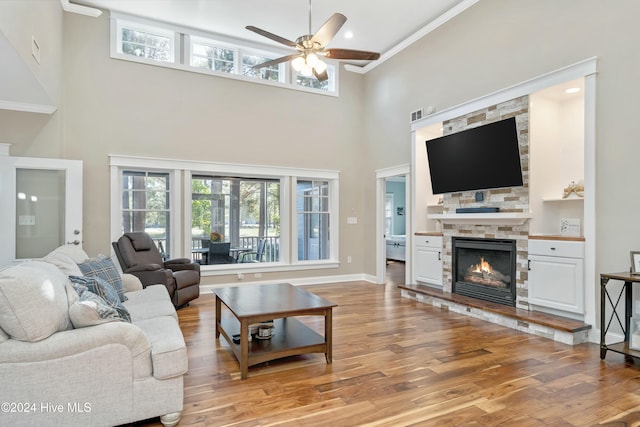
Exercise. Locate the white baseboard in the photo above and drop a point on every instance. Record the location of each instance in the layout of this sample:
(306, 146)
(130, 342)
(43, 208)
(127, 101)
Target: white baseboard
(298, 281)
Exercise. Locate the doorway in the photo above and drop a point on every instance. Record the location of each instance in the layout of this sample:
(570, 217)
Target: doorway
(393, 224)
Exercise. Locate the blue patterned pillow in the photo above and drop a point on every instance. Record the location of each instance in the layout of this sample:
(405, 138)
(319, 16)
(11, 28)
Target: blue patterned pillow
(91, 310)
(104, 268)
(102, 289)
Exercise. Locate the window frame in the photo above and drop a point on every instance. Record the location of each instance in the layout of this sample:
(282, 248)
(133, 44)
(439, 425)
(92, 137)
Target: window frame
(333, 223)
(118, 25)
(192, 39)
(181, 173)
(181, 41)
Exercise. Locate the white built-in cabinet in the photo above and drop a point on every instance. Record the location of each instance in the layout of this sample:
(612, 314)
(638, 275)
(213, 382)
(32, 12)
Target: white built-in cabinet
(428, 259)
(556, 276)
(396, 249)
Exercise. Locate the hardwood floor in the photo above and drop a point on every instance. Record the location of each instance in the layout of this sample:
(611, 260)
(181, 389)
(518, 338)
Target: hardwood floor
(397, 362)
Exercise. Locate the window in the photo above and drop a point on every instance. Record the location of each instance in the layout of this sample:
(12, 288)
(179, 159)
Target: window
(313, 83)
(313, 220)
(272, 73)
(286, 214)
(388, 214)
(157, 43)
(212, 57)
(145, 205)
(145, 41)
(242, 211)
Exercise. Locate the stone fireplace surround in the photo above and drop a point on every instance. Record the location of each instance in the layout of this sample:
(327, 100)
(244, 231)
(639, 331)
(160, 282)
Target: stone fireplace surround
(512, 200)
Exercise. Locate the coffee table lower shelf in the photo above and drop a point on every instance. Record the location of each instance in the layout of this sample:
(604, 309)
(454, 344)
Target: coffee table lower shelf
(290, 338)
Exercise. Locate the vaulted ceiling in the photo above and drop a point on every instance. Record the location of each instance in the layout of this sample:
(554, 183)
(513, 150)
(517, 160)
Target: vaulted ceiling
(381, 26)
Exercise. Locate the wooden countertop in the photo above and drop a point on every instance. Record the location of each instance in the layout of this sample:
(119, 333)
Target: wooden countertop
(428, 233)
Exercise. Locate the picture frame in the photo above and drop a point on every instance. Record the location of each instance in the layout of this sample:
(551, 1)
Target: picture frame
(634, 333)
(635, 262)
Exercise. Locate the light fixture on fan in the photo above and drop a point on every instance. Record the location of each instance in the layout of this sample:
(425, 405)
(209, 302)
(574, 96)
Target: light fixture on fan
(311, 47)
(309, 65)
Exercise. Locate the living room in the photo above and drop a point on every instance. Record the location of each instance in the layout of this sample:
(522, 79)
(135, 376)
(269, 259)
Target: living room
(107, 107)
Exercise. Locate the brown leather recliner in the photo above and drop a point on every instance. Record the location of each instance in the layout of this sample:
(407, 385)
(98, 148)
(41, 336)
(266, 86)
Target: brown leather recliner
(138, 255)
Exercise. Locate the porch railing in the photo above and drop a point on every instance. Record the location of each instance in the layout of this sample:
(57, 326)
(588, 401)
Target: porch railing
(271, 248)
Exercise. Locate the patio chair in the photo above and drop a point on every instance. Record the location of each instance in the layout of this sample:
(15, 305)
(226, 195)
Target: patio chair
(257, 255)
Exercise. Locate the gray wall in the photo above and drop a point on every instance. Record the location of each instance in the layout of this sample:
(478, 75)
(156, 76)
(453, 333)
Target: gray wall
(120, 107)
(34, 134)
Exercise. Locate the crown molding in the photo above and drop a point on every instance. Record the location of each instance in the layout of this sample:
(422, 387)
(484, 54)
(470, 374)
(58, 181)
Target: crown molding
(431, 26)
(67, 6)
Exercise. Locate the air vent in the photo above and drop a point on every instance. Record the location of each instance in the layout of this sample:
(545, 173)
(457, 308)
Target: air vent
(416, 115)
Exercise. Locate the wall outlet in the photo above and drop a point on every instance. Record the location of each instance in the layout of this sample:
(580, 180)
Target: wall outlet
(240, 276)
(349, 259)
(257, 275)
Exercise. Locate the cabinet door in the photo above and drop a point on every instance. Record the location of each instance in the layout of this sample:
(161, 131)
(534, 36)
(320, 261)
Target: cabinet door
(557, 282)
(428, 265)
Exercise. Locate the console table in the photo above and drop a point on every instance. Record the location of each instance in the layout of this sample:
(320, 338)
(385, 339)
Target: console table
(627, 291)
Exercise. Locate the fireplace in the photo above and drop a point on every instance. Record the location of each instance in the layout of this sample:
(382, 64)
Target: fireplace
(484, 269)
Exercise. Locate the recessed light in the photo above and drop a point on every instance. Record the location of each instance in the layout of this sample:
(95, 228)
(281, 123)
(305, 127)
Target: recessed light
(348, 34)
(572, 90)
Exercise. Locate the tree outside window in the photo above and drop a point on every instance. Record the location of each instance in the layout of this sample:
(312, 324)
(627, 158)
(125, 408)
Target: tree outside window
(242, 210)
(145, 206)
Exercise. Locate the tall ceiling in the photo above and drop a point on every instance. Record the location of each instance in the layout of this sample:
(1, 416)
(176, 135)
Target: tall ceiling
(376, 25)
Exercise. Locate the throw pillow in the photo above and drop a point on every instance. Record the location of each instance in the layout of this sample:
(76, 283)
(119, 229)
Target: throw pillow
(104, 268)
(33, 301)
(75, 252)
(63, 262)
(103, 290)
(91, 310)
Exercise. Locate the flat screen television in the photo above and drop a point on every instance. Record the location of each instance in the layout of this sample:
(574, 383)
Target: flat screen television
(480, 158)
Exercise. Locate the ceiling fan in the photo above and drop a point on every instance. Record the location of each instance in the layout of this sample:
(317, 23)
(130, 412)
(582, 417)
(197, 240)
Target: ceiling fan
(310, 47)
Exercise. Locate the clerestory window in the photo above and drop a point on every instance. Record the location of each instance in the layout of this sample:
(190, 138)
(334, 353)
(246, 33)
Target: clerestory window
(161, 44)
(145, 41)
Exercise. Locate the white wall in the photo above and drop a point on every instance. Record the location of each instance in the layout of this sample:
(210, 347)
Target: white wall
(556, 159)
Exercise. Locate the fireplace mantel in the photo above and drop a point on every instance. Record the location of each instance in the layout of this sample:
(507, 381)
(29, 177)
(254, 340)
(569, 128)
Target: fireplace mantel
(497, 218)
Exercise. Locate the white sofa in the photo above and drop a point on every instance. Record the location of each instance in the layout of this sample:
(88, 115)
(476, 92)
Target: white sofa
(55, 372)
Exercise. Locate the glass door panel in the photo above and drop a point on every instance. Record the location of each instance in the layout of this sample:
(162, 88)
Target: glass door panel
(41, 208)
(40, 212)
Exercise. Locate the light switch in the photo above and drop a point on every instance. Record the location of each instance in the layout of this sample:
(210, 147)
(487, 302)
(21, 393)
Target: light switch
(26, 220)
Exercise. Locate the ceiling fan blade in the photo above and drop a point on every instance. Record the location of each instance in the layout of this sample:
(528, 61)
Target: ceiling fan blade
(329, 29)
(276, 61)
(271, 36)
(350, 54)
(321, 76)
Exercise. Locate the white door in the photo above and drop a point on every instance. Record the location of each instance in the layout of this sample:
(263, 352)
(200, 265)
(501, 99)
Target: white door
(41, 206)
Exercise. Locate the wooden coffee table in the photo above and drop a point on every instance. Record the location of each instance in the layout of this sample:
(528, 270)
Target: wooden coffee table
(280, 303)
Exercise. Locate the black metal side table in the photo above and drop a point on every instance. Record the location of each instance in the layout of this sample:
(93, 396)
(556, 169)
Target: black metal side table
(623, 346)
